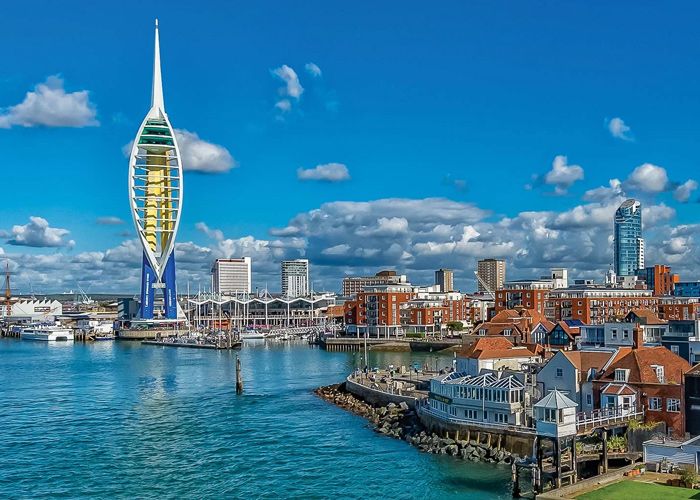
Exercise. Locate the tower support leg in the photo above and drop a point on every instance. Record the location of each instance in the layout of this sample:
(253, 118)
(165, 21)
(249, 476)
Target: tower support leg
(148, 278)
(170, 291)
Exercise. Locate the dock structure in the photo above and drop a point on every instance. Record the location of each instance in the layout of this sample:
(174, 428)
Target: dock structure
(354, 344)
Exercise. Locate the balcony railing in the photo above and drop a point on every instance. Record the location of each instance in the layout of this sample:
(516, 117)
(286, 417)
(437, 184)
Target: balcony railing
(605, 416)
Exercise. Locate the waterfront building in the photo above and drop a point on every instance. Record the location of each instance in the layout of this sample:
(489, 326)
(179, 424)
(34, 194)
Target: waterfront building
(295, 278)
(651, 377)
(529, 294)
(491, 398)
(424, 316)
(265, 311)
(377, 310)
(491, 273)
(352, 285)
(35, 310)
(494, 353)
(523, 326)
(155, 195)
(573, 372)
(683, 338)
(596, 304)
(687, 289)
(231, 276)
(628, 241)
(444, 278)
(683, 453)
(660, 279)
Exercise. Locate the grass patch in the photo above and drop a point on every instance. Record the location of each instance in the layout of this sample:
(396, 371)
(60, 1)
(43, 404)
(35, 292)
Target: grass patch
(639, 491)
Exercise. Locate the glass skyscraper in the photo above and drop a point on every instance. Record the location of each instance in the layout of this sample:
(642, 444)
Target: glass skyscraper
(629, 244)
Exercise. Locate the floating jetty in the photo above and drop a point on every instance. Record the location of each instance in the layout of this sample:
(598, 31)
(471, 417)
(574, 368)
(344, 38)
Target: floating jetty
(225, 344)
(357, 344)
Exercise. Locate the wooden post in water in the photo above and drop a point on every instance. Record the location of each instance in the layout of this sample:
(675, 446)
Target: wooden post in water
(239, 377)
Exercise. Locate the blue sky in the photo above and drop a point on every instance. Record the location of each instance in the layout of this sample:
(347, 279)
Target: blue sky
(466, 102)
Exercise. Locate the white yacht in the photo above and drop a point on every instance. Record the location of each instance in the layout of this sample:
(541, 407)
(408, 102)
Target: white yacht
(47, 333)
(252, 335)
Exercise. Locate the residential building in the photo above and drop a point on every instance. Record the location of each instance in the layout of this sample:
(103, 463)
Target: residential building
(494, 353)
(687, 289)
(424, 316)
(492, 274)
(573, 373)
(619, 334)
(377, 310)
(682, 453)
(596, 304)
(444, 278)
(628, 241)
(692, 400)
(295, 278)
(653, 327)
(523, 326)
(674, 308)
(355, 284)
(564, 333)
(683, 339)
(645, 376)
(231, 276)
(529, 294)
(494, 398)
(660, 279)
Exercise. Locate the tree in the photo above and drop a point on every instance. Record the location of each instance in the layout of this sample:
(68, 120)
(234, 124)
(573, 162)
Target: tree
(455, 326)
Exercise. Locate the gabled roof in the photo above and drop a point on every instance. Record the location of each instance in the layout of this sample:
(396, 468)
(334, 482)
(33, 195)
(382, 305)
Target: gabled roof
(570, 331)
(618, 389)
(555, 399)
(513, 352)
(585, 360)
(484, 344)
(639, 361)
(645, 316)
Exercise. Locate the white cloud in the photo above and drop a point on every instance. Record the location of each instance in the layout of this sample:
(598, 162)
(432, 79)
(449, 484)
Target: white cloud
(313, 69)
(38, 233)
(49, 105)
(648, 178)
(683, 192)
(109, 221)
(563, 176)
(284, 105)
(619, 129)
(654, 214)
(604, 194)
(329, 172)
(199, 155)
(292, 88)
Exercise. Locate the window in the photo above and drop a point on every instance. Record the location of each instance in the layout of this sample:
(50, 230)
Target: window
(614, 333)
(625, 334)
(655, 404)
(621, 375)
(659, 369)
(675, 349)
(560, 372)
(500, 418)
(673, 405)
(471, 414)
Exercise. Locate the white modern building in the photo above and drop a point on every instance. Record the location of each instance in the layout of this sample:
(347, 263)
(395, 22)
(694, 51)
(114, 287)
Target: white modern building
(231, 276)
(295, 278)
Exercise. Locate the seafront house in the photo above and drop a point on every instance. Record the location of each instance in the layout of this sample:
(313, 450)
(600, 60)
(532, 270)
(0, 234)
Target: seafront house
(494, 397)
(654, 328)
(520, 326)
(683, 338)
(573, 373)
(651, 377)
(494, 353)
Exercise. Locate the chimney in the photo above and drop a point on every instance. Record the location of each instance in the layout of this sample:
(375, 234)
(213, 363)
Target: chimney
(638, 336)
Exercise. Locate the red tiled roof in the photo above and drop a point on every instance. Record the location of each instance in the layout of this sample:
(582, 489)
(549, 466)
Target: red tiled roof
(619, 390)
(486, 344)
(585, 360)
(647, 316)
(638, 362)
(513, 352)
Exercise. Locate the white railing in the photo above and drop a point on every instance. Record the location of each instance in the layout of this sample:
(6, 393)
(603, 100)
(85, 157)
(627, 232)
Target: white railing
(604, 416)
(426, 409)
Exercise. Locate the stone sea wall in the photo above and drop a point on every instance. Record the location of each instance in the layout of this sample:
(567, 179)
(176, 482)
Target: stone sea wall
(401, 422)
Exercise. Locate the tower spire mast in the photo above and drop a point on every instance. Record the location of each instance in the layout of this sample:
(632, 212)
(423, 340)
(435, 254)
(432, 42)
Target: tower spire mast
(157, 93)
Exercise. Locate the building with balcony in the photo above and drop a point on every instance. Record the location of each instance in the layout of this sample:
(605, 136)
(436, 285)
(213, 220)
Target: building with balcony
(352, 285)
(683, 339)
(628, 241)
(596, 304)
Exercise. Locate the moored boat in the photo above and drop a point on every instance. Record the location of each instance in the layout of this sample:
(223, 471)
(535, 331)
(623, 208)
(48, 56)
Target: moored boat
(47, 334)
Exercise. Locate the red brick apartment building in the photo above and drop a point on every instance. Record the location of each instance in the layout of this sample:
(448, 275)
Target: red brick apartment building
(596, 305)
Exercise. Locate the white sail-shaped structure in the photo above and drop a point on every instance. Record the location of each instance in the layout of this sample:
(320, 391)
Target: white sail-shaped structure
(155, 194)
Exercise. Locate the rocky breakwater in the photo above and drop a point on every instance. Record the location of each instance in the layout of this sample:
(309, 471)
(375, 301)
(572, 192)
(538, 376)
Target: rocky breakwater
(400, 422)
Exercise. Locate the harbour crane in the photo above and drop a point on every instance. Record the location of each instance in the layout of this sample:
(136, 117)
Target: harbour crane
(486, 287)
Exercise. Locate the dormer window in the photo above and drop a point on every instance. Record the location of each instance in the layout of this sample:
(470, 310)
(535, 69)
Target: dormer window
(659, 369)
(507, 332)
(621, 375)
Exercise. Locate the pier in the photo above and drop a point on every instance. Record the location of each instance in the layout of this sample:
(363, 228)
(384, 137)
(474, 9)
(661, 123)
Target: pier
(354, 344)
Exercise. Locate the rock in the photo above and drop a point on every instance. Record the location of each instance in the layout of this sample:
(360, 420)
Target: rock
(391, 405)
(403, 405)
